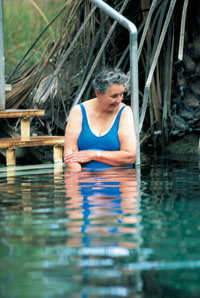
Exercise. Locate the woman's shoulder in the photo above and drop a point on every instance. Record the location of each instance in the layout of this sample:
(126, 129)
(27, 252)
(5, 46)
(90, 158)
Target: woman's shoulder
(126, 109)
(126, 113)
(75, 110)
(89, 102)
(75, 113)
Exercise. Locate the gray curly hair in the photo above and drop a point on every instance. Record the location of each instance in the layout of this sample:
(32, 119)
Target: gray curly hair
(107, 77)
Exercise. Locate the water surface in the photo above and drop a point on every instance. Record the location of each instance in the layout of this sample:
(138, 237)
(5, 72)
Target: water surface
(118, 233)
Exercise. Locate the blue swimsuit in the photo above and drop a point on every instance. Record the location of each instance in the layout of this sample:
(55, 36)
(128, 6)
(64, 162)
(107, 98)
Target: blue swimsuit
(89, 141)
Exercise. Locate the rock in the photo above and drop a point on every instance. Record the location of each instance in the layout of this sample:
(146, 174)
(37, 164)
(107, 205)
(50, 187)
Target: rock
(177, 123)
(195, 125)
(197, 114)
(181, 81)
(190, 99)
(197, 71)
(189, 64)
(186, 145)
(196, 46)
(195, 84)
(185, 112)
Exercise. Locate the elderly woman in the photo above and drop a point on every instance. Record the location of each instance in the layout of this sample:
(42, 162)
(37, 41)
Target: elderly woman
(100, 132)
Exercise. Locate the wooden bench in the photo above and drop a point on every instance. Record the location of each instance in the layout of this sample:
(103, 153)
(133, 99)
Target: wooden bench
(26, 140)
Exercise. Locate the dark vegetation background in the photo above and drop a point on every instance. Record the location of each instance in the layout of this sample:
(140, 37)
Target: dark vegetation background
(50, 67)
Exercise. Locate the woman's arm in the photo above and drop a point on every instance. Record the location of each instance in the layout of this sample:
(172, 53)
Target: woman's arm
(128, 144)
(72, 132)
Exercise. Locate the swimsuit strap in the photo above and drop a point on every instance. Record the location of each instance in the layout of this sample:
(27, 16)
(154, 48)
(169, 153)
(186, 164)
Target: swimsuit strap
(83, 111)
(115, 125)
(85, 115)
(119, 115)
(85, 119)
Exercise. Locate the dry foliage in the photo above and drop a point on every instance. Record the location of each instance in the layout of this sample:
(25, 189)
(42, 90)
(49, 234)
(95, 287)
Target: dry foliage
(90, 40)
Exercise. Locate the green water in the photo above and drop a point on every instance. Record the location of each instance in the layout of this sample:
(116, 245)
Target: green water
(122, 233)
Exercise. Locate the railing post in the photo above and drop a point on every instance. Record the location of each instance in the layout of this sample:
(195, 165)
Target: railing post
(133, 63)
(2, 65)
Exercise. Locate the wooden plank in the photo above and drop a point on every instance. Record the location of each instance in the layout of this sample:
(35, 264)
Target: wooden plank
(28, 168)
(19, 113)
(33, 142)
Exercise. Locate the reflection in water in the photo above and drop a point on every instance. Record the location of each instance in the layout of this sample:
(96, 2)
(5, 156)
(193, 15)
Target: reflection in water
(100, 234)
(101, 203)
(82, 227)
(102, 208)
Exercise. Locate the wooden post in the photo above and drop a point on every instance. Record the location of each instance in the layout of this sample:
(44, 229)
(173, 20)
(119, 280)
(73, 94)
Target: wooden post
(57, 154)
(10, 157)
(11, 178)
(25, 129)
(2, 64)
(58, 172)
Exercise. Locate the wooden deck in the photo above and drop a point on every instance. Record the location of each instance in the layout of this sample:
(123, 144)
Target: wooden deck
(25, 139)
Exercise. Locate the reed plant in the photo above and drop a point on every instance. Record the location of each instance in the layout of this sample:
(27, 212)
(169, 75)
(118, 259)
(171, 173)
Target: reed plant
(86, 41)
(23, 22)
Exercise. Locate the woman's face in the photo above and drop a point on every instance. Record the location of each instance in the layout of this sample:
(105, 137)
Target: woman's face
(112, 98)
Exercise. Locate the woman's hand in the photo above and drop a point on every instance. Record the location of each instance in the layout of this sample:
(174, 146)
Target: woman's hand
(79, 156)
(74, 167)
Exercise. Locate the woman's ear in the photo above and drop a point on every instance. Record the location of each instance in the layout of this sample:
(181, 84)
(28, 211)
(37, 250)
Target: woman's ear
(97, 93)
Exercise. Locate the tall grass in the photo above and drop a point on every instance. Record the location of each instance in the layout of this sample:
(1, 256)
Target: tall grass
(23, 22)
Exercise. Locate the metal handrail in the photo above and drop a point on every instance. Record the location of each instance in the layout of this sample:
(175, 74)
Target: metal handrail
(133, 63)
